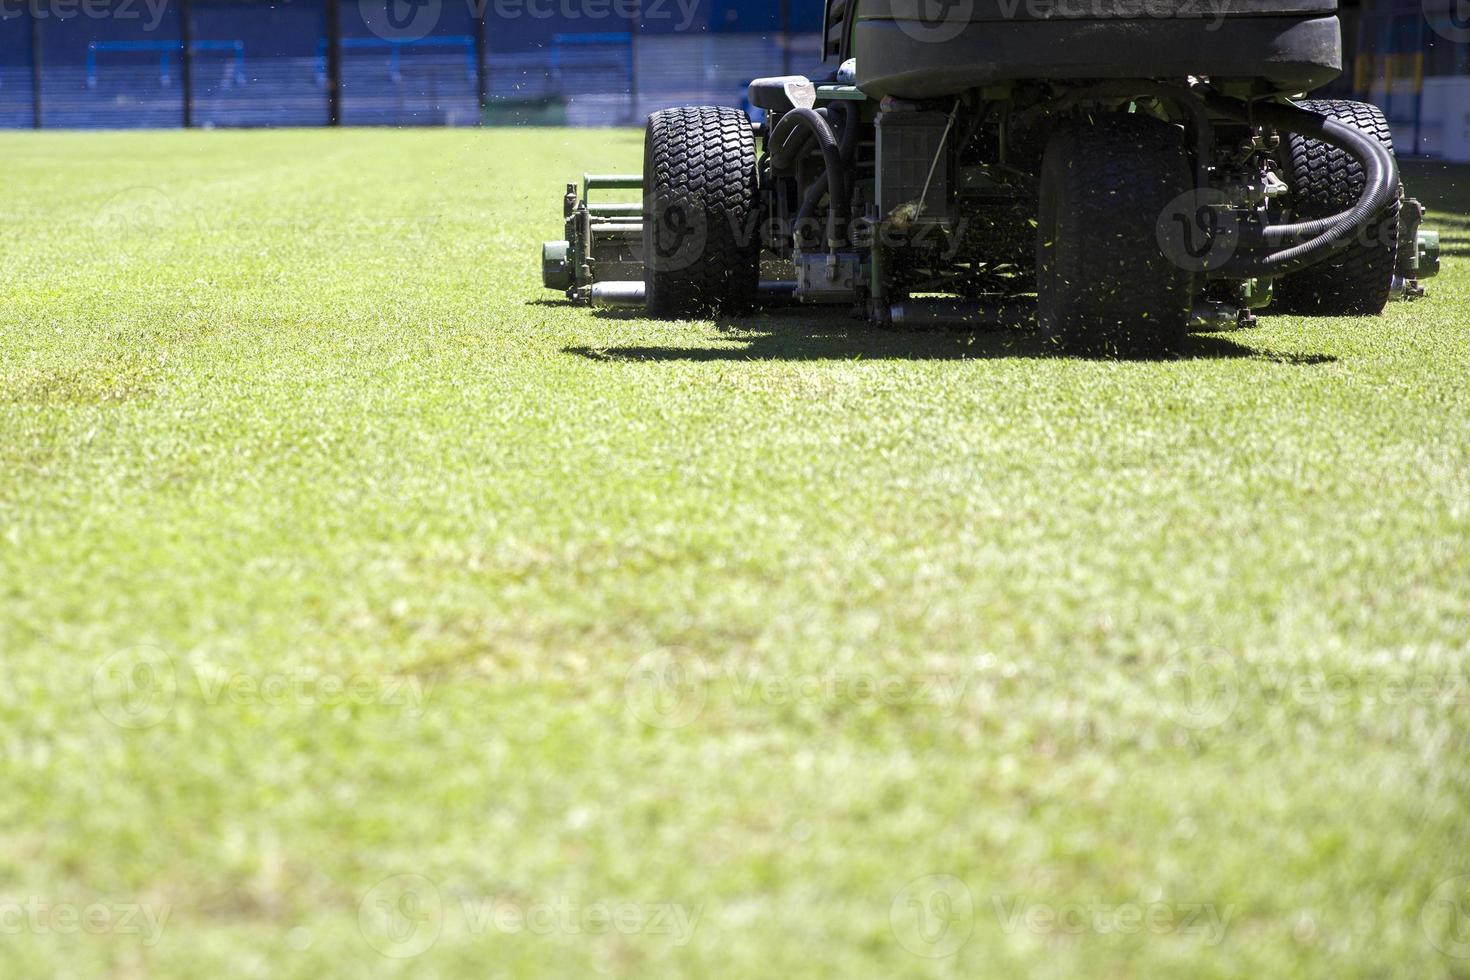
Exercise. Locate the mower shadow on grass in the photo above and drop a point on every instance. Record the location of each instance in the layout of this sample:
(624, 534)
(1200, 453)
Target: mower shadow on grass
(779, 336)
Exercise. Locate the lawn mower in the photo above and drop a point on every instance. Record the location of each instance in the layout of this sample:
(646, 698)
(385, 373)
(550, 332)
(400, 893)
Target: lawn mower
(1121, 172)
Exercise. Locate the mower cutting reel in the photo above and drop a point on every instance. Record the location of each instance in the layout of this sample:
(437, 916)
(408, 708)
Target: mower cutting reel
(601, 259)
(1118, 180)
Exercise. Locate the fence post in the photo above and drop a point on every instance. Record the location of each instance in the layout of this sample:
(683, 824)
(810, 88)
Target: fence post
(35, 69)
(785, 37)
(482, 59)
(186, 60)
(334, 63)
(1422, 24)
(635, 19)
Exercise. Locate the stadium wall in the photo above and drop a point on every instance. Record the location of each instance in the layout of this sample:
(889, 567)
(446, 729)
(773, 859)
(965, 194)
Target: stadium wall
(165, 63)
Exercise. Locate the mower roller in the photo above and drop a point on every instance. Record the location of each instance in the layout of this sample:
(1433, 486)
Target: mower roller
(1121, 172)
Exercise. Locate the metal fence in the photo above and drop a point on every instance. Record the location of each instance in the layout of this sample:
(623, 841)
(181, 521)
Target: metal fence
(168, 63)
(165, 63)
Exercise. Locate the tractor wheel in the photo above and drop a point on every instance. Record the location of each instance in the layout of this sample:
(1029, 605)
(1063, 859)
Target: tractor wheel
(700, 212)
(1104, 284)
(1325, 181)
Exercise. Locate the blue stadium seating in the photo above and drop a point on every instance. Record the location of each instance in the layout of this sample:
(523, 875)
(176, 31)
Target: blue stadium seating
(265, 62)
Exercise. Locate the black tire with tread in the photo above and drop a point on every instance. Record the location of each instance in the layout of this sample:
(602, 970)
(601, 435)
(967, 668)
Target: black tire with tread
(1325, 181)
(1104, 284)
(700, 212)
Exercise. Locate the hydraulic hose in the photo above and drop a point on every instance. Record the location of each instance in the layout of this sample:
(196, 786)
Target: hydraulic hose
(1325, 236)
(784, 157)
(809, 201)
(847, 141)
(844, 129)
(847, 144)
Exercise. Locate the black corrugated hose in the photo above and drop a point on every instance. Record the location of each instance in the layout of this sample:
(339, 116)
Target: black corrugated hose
(785, 152)
(1324, 236)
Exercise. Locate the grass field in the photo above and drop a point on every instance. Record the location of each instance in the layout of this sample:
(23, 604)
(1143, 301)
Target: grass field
(365, 609)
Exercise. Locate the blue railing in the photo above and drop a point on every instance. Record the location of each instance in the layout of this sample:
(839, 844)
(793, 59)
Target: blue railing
(165, 51)
(395, 50)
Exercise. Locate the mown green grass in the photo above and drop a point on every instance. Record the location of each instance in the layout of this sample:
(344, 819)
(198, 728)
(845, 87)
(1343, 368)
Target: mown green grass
(284, 410)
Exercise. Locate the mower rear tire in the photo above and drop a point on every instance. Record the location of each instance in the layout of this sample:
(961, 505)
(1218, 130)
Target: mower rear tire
(1104, 284)
(1325, 181)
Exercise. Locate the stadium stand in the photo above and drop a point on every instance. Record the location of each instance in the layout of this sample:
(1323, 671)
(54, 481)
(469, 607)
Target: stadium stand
(162, 63)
